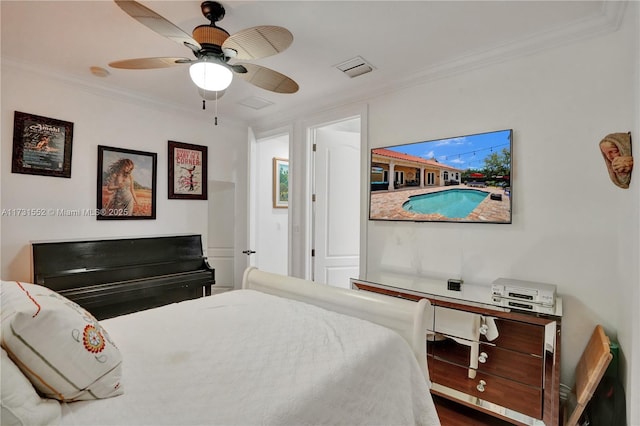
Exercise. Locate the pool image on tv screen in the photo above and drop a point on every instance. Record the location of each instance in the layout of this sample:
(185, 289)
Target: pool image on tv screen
(457, 179)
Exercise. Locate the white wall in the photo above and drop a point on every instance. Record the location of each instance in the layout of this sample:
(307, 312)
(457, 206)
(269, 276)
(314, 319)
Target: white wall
(102, 119)
(630, 294)
(571, 225)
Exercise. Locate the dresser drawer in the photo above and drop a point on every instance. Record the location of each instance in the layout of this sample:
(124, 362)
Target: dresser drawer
(524, 368)
(507, 393)
(518, 336)
(515, 335)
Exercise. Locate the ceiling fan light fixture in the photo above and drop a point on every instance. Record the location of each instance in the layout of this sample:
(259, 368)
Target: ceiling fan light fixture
(210, 76)
(213, 47)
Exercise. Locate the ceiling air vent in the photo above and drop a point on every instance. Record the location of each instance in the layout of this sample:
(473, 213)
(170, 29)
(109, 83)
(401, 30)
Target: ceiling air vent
(255, 102)
(355, 67)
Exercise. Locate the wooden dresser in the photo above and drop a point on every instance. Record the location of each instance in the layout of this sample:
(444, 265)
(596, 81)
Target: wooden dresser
(484, 353)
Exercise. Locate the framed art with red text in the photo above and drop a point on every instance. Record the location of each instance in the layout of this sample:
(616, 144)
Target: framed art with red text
(187, 171)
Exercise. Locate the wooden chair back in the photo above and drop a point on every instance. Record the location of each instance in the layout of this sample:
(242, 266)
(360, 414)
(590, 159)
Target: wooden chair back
(592, 365)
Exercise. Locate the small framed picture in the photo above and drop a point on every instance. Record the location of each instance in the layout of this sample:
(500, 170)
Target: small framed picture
(126, 184)
(280, 183)
(187, 171)
(41, 145)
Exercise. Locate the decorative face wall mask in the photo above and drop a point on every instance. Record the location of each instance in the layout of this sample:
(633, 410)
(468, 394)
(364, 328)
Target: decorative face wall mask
(616, 151)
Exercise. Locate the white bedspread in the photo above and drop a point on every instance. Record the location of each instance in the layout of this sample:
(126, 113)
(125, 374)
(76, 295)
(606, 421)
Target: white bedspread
(245, 358)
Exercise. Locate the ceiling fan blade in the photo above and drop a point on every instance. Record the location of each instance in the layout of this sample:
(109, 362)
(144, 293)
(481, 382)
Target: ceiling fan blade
(148, 63)
(157, 23)
(259, 42)
(268, 79)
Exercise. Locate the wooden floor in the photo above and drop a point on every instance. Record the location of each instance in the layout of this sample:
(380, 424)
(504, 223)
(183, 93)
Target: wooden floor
(453, 414)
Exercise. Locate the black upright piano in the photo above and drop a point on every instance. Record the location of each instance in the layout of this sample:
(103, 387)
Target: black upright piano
(111, 277)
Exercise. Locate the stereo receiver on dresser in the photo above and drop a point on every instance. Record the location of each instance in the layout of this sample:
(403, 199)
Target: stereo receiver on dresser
(526, 291)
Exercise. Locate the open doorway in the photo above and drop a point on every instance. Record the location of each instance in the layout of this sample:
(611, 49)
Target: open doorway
(269, 216)
(336, 201)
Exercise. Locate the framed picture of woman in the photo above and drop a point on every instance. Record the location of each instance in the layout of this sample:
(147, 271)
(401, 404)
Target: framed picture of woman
(126, 184)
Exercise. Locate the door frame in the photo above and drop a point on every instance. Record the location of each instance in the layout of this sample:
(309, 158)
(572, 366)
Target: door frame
(309, 126)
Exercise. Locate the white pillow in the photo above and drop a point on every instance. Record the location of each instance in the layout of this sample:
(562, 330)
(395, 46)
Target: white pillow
(59, 346)
(21, 404)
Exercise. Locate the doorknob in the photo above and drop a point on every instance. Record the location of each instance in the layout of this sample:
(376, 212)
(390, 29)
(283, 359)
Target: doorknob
(248, 252)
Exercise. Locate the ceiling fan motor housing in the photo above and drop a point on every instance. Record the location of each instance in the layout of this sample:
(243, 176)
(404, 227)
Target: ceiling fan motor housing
(210, 37)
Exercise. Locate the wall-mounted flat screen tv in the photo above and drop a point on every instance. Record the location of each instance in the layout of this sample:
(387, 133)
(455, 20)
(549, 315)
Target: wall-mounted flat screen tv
(458, 179)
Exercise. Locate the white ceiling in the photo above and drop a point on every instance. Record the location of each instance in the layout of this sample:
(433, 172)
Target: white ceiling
(406, 41)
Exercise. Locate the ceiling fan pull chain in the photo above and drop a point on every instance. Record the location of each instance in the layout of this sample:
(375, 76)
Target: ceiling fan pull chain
(203, 104)
(215, 119)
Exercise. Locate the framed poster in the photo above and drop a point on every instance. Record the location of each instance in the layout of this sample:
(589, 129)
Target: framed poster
(187, 171)
(280, 183)
(41, 145)
(126, 184)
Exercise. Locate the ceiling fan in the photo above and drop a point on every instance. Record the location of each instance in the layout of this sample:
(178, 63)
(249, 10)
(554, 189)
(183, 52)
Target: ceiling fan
(213, 48)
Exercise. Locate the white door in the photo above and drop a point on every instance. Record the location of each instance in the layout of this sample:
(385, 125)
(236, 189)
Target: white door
(336, 233)
(220, 238)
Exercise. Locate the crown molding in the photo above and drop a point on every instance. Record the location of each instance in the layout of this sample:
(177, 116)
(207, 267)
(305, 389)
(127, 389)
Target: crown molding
(131, 97)
(607, 20)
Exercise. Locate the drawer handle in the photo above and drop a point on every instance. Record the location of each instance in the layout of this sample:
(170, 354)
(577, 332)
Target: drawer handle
(483, 329)
(481, 386)
(483, 357)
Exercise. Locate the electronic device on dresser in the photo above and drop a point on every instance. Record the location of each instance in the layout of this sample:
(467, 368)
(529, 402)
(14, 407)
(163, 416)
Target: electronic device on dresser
(525, 291)
(482, 353)
(111, 277)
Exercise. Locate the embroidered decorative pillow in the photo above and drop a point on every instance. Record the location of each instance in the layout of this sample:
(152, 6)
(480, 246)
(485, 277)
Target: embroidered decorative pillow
(59, 346)
(21, 404)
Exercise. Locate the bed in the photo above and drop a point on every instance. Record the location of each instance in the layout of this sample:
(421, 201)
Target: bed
(281, 350)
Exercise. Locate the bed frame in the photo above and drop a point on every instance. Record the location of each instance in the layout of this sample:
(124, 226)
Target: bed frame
(408, 318)
(105, 292)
